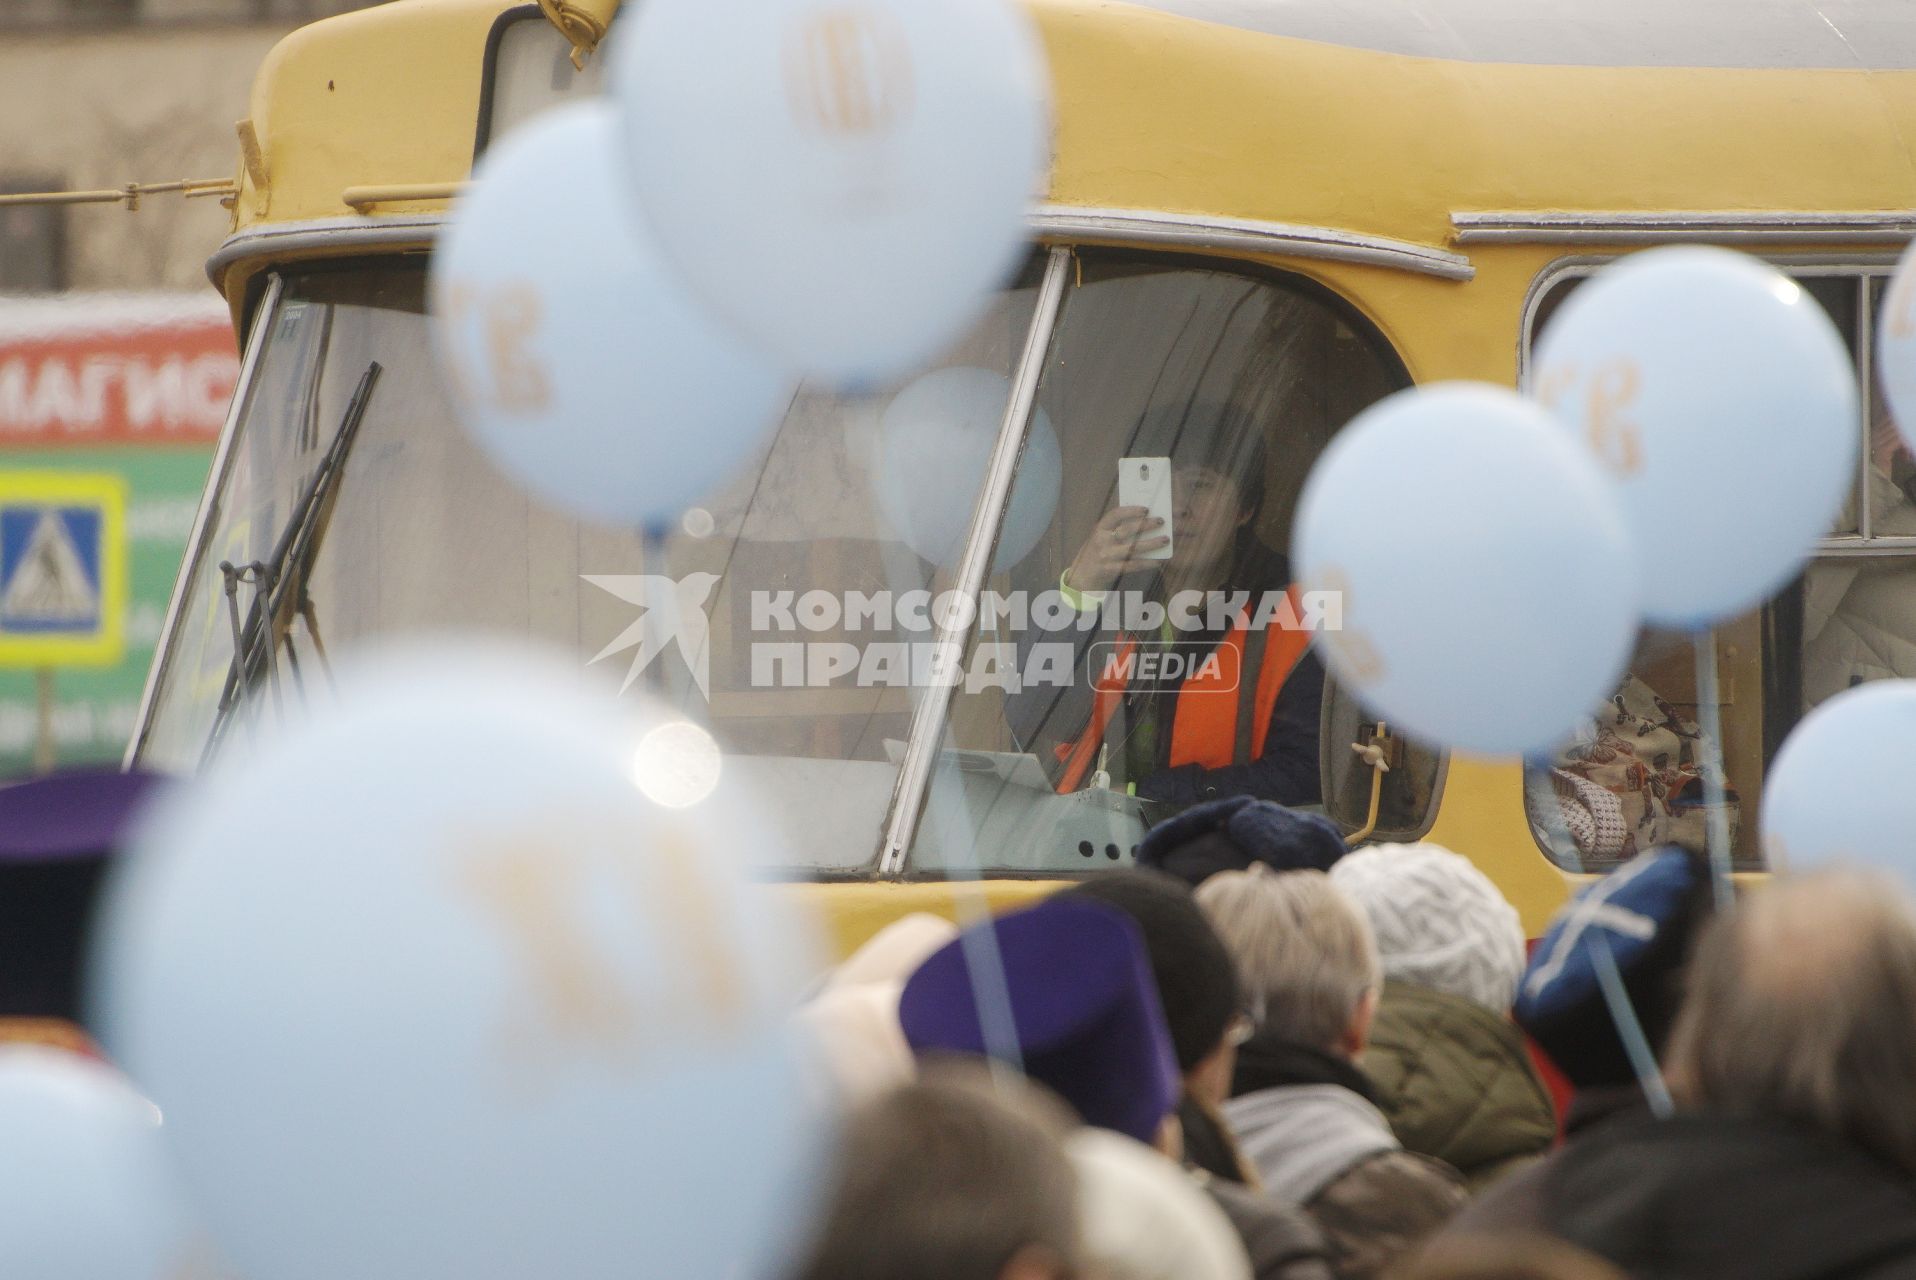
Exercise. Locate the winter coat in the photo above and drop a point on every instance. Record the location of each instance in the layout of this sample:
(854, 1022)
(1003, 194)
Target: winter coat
(1515, 1203)
(1282, 1241)
(1456, 1082)
(1703, 1197)
(1309, 1124)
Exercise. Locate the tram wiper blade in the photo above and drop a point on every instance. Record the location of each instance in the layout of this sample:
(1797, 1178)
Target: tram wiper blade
(280, 579)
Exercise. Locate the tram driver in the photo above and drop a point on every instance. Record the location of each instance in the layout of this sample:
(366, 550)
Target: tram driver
(1146, 713)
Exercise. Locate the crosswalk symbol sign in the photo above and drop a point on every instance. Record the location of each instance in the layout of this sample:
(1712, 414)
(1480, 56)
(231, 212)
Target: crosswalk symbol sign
(62, 569)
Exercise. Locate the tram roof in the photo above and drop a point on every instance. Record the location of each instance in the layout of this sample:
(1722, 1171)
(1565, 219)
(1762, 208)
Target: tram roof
(1378, 117)
(1874, 35)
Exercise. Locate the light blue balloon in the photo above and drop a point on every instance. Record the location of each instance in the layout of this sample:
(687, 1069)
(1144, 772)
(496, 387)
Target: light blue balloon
(86, 1192)
(846, 184)
(1486, 583)
(429, 989)
(1839, 789)
(1896, 347)
(1723, 405)
(582, 368)
(935, 443)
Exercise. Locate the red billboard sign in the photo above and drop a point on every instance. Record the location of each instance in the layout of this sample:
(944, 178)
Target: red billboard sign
(132, 371)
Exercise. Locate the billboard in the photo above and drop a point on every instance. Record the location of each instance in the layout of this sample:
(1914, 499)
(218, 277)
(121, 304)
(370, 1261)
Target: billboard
(133, 385)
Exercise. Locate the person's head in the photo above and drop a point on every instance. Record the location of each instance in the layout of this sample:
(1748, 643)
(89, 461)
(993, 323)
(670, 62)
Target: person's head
(1145, 1218)
(1304, 953)
(1218, 474)
(58, 837)
(1197, 981)
(1084, 1010)
(953, 1177)
(1800, 1008)
(1646, 915)
(1235, 832)
(1439, 922)
(1209, 513)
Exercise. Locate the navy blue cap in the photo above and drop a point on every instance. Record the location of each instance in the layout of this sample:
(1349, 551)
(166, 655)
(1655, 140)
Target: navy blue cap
(1084, 1004)
(1233, 833)
(57, 835)
(1647, 912)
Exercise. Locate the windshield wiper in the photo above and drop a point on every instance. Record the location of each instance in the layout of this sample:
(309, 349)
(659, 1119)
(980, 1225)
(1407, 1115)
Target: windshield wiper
(280, 579)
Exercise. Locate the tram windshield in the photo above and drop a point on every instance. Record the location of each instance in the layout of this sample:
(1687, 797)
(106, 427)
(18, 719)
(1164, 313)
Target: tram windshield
(817, 567)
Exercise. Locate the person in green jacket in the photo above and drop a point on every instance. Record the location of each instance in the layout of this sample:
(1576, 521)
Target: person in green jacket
(1452, 1072)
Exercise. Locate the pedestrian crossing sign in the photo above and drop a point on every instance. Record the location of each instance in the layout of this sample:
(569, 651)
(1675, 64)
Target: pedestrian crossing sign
(62, 569)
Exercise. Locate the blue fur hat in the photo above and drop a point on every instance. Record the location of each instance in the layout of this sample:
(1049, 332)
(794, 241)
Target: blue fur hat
(1231, 834)
(1085, 1007)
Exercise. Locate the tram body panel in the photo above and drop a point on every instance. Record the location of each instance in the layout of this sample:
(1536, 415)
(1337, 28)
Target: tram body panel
(1367, 144)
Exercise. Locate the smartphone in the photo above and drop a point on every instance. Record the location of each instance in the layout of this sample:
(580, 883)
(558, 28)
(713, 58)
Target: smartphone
(1146, 482)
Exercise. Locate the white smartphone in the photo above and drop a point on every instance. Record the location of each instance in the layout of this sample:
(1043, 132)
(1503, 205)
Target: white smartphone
(1146, 482)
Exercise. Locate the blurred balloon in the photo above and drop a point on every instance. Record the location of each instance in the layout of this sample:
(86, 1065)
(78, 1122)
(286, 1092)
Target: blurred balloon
(1723, 403)
(935, 443)
(583, 369)
(429, 988)
(86, 1192)
(1896, 347)
(845, 184)
(1839, 788)
(1488, 595)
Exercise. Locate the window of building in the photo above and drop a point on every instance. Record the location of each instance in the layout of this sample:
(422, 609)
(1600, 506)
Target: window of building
(33, 241)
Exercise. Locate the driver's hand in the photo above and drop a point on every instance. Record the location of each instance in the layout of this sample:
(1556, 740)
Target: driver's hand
(1116, 546)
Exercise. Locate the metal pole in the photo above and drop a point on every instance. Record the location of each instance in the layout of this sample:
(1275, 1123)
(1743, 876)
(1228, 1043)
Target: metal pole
(45, 751)
(1716, 812)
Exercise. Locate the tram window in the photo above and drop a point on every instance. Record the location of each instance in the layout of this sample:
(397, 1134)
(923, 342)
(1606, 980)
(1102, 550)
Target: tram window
(425, 534)
(1858, 599)
(1632, 778)
(1236, 382)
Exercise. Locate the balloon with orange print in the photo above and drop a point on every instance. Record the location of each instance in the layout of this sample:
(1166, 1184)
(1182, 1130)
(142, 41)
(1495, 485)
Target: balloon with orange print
(1484, 590)
(462, 979)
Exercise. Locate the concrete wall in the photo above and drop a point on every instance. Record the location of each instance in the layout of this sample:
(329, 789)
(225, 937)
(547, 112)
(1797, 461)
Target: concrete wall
(122, 103)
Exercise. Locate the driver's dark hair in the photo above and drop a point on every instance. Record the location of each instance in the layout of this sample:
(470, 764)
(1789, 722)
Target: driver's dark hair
(1218, 434)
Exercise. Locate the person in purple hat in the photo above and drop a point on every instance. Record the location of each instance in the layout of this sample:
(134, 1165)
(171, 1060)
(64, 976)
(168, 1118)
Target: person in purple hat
(1083, 1005)
(57, 835)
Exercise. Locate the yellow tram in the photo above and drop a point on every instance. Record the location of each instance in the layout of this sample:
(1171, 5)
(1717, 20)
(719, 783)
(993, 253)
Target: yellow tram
(1285, 210)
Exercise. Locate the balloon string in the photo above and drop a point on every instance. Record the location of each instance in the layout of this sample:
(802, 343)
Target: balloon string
(953, 837)
(653, 560)
(977, 939)
(1636, 1045)
(1715, 803)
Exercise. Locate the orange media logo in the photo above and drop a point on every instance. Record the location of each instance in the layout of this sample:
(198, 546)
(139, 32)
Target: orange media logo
(848, 71)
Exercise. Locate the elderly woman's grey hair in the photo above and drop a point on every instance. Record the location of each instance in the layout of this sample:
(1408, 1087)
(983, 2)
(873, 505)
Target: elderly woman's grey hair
(1304, 951)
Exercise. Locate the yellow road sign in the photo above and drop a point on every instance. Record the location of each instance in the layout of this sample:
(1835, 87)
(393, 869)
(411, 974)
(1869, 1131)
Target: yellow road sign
(62, 569)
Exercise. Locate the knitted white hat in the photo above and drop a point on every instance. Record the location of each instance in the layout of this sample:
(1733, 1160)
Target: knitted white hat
(1440, 922)
(1144, 1218)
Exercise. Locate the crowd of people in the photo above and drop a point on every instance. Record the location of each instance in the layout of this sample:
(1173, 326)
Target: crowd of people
(1258, 1055)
